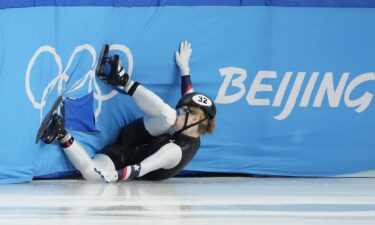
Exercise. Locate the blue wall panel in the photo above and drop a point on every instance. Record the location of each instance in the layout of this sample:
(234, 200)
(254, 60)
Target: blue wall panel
(294, 86)
(149, 3)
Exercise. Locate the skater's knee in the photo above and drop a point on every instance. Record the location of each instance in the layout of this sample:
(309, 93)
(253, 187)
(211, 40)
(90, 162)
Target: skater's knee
(90, 175)
(99, 161)
(160, 124)
(168, 116)
(103, 161)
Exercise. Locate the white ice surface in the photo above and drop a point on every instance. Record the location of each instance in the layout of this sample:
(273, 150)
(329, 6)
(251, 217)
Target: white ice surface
(223, 200)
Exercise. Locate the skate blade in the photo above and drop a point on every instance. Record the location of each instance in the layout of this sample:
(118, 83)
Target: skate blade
(47, 118)
(102, 60)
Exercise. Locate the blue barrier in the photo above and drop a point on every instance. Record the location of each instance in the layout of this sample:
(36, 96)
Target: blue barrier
(150, 3)
(294, 86)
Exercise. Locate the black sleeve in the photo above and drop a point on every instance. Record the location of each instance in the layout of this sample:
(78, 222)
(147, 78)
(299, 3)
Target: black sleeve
(186, 85)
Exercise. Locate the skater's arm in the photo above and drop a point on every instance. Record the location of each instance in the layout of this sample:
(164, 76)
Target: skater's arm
(182, 61)
(159, 116)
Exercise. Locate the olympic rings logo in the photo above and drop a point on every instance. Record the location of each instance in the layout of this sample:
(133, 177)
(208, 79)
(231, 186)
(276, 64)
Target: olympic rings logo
(62, 76)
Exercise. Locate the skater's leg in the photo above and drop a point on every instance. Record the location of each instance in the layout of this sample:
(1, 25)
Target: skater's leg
(159, 116)
(90, 168)
(166, 157)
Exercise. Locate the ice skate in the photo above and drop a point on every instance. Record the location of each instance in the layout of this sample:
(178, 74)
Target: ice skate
(52, 126)
(109, 69)
(103, 60)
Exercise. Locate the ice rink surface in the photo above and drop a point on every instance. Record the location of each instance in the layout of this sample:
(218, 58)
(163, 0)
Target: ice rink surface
(219, 200)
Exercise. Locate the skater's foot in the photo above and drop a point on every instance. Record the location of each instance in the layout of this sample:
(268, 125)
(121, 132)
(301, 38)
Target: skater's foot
(54, 130)
(49, 124)
(110, 70)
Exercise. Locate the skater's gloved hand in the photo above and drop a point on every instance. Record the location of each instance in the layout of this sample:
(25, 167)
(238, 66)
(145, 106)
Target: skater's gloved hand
(114, 79)
(182, 58)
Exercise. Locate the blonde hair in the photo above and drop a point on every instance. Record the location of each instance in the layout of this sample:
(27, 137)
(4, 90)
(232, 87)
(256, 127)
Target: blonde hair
(207, 126)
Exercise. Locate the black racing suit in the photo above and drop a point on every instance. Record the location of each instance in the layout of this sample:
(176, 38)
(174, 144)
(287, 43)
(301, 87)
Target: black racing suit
(135, 144)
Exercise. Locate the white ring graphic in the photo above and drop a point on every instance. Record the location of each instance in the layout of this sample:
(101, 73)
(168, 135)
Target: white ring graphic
(63, 77)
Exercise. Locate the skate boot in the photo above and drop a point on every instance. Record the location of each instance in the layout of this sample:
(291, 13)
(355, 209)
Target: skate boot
(54, 130)
(104, 60)
(52, 126)
(110, 70)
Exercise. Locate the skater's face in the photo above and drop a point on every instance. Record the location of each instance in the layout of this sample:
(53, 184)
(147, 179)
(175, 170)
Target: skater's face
(181, 116)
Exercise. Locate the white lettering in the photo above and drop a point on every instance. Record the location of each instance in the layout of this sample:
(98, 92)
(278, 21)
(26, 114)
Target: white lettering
(364, 101)
(280, 93)
(257, 86)
(327, 86)
(292, 97)
(228, 72)
(309, 88)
